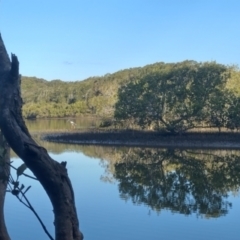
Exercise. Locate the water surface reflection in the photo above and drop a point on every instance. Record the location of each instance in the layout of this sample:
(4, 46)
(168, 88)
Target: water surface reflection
(146, 187)
(132, 193)
(184, 181)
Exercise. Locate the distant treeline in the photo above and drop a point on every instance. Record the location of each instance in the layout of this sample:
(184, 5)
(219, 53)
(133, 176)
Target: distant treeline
(94, 96)
(163, 96)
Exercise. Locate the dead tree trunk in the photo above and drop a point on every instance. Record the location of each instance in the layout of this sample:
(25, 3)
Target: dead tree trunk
(52, 175)
(4, 175)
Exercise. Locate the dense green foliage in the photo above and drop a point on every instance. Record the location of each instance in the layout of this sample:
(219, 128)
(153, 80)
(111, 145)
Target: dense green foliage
(94, 96)
(178, 97)
(174, 97)
(62, 99)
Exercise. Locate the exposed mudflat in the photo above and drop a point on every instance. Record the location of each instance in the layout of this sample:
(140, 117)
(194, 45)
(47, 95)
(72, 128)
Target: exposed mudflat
(148, 139)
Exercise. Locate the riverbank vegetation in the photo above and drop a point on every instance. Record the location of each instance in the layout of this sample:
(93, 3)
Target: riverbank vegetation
(209, 140)
(172, 97)
(179, 97)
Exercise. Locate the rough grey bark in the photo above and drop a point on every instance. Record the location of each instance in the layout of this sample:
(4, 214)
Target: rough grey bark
(52, 175)
(4, 175)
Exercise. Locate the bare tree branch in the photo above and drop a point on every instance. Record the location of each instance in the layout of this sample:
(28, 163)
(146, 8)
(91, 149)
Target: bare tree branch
(4, 175)
(52, 175)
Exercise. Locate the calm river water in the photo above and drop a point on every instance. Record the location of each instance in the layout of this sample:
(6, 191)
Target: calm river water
(136, 193)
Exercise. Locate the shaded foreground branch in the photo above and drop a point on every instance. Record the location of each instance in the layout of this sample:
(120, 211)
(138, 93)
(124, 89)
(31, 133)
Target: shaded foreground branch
(4, 175)
(52, 175)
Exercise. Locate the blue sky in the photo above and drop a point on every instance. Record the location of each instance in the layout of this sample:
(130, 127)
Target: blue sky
(75, 39)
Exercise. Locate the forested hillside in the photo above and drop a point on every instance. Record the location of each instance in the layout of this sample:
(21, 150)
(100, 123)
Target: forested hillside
(93, 96)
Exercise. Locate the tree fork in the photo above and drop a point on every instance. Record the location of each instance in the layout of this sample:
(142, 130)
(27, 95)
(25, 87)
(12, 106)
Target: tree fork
(51, 174)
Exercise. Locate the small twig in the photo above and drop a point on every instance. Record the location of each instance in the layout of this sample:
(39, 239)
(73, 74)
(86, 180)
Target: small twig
(28, 205)
(26, 175)
(27, 189)
(22, 202)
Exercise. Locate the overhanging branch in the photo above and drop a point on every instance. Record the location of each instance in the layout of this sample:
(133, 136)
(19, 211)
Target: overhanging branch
(52, 175)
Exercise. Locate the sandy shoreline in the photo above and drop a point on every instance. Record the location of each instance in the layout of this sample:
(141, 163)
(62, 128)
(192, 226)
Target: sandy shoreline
(149, 139)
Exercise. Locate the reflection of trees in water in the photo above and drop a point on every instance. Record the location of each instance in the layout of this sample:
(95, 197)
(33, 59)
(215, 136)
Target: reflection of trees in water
(184, 181)
(180, 180)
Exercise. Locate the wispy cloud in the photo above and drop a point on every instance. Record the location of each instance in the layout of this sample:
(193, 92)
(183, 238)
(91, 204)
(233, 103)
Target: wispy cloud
(68, 63)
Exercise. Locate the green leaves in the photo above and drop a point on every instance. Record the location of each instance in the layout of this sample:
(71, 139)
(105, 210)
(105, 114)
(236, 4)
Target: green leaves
(175, 98)
(21, 169)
